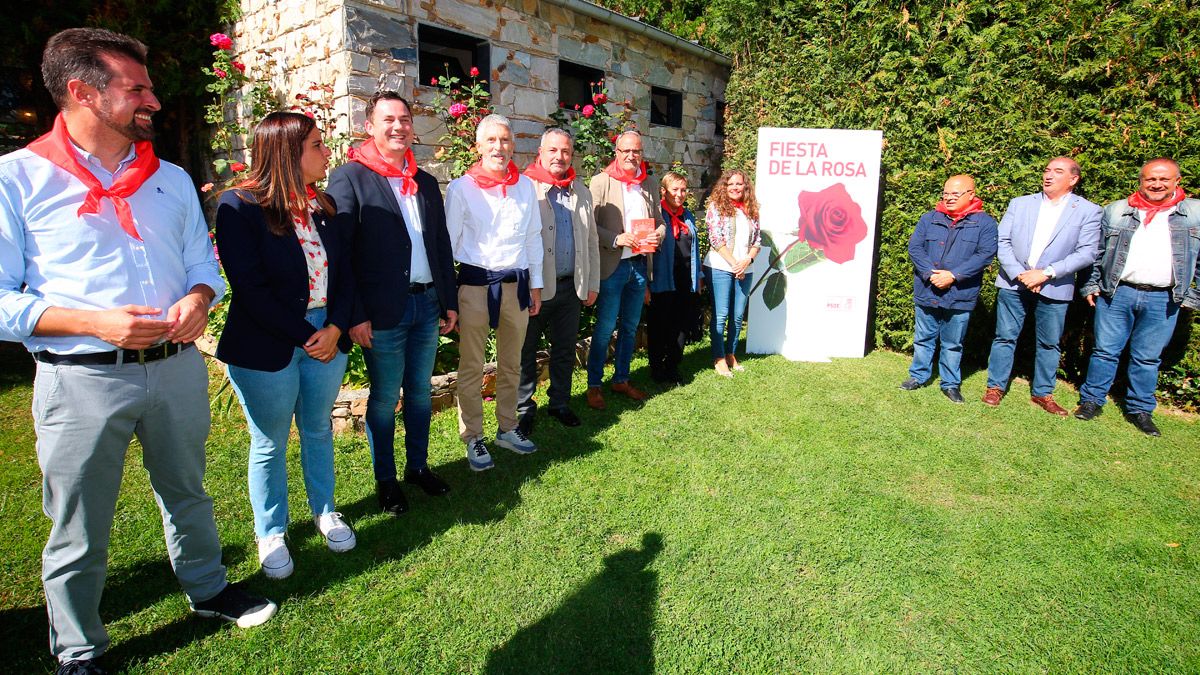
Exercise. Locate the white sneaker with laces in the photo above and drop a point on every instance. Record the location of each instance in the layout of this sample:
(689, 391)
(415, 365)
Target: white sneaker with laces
(338, 535)
(478, 457)
(516, 441)
(274, 557)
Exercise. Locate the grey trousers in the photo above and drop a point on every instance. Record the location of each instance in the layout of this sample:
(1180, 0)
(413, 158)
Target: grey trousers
(85, 417)
(559, 320)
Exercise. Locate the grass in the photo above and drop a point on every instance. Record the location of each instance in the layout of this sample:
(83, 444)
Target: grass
(800, 517)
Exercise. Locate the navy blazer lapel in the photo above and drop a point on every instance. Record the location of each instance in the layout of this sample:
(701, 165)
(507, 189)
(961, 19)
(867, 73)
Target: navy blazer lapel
(389, 198)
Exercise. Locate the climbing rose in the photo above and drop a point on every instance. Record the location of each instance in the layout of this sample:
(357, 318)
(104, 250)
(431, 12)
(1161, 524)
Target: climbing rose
(220, 41)
(241, 67)
(237, 167)
(474, 71)
(588, 111)
(600, 99)
(220, 73)
(457, 110)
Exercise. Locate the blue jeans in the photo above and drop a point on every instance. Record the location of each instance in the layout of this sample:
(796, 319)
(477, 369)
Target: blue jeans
(305, 388)
(730, 297)
(1048, 318)
(621, 297)
(937, 324)
(402, 357)
(1143, 319)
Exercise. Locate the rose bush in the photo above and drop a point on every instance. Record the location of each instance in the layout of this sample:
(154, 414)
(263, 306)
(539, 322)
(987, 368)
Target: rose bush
(460, 104)
(831, 222)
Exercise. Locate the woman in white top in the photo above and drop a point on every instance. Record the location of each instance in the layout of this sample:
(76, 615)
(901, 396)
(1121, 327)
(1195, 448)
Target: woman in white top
(733, 238)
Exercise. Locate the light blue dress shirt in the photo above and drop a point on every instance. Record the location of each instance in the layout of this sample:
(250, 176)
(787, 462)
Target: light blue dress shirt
(52, 257)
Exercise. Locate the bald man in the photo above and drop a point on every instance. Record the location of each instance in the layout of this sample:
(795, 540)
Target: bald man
(1144, 274)
(950, 247)
(1045, 238)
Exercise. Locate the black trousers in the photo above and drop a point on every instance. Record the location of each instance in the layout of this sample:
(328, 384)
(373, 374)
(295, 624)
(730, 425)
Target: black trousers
(669, 318)
(559, 322)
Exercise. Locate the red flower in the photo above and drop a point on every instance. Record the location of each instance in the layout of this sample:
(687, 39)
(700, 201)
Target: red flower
(831, 221)
(457, 110)
(220, 73)
(220, 41)
(310, 115)
(239, 66)
(433, 81)
(474, 71)
(237, 167)
(577, 106)
(588, 111)
(600, 99)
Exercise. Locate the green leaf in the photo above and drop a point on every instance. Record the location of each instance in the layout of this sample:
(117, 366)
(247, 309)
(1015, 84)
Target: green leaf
(773, 256)
(775, 290)
(219, 166)
(800, 257)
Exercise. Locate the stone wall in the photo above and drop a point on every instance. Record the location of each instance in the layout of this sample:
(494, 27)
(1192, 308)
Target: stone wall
(527, 38)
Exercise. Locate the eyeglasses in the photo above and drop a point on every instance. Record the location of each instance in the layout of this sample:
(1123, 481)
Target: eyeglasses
(955, 195)
(632, 151)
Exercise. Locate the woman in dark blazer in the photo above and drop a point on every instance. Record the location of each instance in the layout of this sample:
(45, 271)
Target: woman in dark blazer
(285, 337)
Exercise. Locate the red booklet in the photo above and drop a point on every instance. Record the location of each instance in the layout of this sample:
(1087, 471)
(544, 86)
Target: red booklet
(643, 231)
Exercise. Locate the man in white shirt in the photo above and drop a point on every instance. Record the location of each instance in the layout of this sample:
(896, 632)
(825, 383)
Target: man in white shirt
(496, 234)
(1044, 239)
(1144, 274)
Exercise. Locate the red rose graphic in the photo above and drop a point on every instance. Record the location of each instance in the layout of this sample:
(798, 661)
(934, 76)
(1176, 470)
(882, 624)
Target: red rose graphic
(832, 222)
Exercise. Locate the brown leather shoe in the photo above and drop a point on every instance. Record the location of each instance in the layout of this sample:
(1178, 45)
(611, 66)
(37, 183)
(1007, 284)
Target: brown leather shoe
(1048, 404)
(629, 390)
(595, 399)
(993, 395)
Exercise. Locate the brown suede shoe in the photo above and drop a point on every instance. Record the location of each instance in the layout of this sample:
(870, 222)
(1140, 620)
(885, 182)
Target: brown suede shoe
(595, 399)
(1048, 404)
(629, 390)
(993, 395)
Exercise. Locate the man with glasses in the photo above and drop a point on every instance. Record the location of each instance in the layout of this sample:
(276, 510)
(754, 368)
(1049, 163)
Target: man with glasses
(1045, 238)
(949, 248)
(625, 196)
(1145, 273)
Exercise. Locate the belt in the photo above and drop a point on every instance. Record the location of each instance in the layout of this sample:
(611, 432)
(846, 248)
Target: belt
(417, 289)
(1144, 287)
(155, 353)
(569, 278)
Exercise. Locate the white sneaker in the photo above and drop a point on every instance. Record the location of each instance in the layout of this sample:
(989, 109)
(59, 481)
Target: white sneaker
(274, 557)
(478, 457)
(338, 535)
(516, 441)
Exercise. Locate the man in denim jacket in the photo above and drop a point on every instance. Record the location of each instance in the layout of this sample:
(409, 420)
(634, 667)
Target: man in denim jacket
(1144, 274)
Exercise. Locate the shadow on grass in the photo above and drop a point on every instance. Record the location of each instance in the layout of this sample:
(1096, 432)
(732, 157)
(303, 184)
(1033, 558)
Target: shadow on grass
(604, 627)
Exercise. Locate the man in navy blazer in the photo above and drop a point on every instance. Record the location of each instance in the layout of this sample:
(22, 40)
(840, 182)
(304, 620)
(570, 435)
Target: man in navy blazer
(1044, 239)
(405, 291)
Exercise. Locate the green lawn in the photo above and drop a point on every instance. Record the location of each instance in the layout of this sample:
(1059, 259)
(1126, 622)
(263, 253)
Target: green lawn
(800, 517)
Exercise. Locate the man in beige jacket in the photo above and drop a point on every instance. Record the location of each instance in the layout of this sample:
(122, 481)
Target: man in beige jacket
(625, 198)
(570, 273)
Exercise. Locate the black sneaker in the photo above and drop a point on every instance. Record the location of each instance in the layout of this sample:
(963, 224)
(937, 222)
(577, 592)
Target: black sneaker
(911, 383)
(1144, 422)
(234, 604)
(1087, 410)
(427, 481)
(80, 667)
(954, 394)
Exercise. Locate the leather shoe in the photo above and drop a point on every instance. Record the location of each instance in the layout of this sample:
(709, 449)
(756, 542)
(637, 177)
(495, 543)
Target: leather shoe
(525, 424)
(629, 390)
(1048, 404)
(565, 416)
(427, 481)
(993, 395)
(953, 394)
(595, 399)
(391, 497)
(1087, 410)
(1144, 422)
(911, 383)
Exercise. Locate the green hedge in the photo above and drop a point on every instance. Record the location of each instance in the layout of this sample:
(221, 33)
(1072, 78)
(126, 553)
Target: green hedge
(985, 87)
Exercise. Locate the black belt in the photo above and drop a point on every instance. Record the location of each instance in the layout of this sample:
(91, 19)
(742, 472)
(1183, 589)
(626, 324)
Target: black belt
(569, 277)
(155, 353)
(417, 289)
(1144, 287)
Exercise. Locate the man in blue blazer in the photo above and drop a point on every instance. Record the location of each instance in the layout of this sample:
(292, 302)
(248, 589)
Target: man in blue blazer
(405, 291)
(1044, 239)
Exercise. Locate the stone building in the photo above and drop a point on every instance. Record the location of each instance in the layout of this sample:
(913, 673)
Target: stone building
(539, 54)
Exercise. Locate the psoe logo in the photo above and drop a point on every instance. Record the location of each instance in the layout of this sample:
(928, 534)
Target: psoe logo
(839, 303)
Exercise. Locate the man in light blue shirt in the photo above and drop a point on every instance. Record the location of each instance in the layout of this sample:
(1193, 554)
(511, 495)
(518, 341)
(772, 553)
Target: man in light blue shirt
(107, 276)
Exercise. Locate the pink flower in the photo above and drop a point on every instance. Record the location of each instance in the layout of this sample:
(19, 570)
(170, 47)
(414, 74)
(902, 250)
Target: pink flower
(588, 111)
(220, 73)
(433, 81)
(577, 106)
(239, 66)
(474, 71)
(237, 167)
(457, 110)
(205, 188)
(220, 41)
(600, 99)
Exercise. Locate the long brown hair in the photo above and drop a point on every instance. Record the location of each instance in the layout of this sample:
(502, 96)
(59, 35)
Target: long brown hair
(719, 196)
(275, 179)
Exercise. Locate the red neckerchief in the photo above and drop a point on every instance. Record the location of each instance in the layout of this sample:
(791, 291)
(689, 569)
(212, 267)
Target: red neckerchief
(310, 192)
(973, 206)
(629, 181)
(677, 223)
(55, 147)
(368, 155)
(484, 181)
(738, 205)
(1137, 201)
(542, 175)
